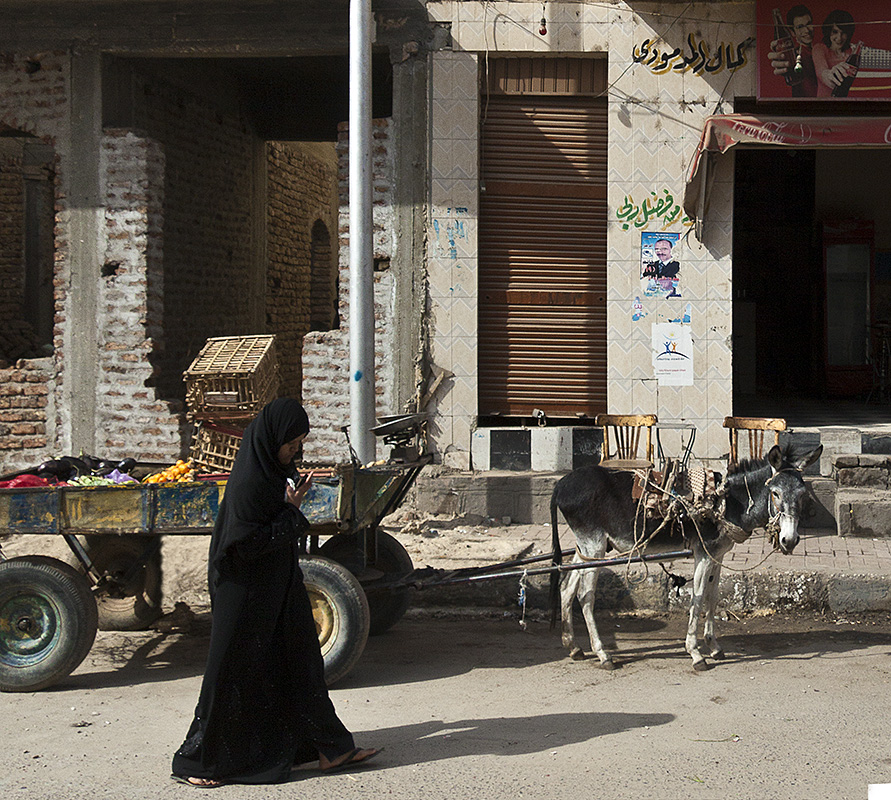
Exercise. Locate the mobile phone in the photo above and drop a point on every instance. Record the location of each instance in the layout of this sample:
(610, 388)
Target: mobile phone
(296, 484)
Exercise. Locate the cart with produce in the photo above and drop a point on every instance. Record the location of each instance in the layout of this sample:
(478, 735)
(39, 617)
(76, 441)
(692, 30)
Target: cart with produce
(113, 515)
(50, 610)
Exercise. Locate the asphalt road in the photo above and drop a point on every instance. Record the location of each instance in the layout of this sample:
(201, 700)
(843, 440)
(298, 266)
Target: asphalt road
(478, 708)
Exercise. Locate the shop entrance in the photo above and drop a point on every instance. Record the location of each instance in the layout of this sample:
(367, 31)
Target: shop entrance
(806, 327)
(777, 272)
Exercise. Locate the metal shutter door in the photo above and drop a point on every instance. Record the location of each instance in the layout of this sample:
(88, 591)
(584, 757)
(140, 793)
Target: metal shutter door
(542, 256)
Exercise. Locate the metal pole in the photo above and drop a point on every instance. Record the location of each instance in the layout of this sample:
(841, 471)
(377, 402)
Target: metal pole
(362, 396)
(481, 575)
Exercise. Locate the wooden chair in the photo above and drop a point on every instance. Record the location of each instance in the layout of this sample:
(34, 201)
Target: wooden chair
(756, 428)
(623, 431)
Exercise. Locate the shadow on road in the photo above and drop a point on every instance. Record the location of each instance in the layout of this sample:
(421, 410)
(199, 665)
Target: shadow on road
(426, 648)
(437, 740)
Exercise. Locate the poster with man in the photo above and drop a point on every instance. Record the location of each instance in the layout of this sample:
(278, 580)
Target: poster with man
(660, 270)
(824, 50)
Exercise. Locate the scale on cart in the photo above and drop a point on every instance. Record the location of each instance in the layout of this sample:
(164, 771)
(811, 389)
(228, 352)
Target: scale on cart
(402, 432)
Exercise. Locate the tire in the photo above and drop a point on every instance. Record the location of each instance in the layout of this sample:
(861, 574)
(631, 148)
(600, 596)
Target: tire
(341, 614)
(387, 607)
(138, 604)
(48, 622)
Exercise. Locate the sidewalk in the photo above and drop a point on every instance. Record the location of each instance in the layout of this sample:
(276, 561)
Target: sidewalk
(826, 572)
(821, 551)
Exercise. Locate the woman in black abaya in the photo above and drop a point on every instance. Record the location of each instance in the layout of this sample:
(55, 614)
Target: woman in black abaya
(263, 705)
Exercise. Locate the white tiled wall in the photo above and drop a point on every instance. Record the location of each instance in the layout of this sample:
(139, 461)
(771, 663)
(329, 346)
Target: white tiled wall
(452, 249)
(655, 120)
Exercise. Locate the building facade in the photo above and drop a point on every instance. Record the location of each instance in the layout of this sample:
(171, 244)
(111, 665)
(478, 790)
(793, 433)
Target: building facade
(540, 256)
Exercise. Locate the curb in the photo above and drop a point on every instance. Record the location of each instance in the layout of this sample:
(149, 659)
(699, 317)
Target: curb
(741, 593)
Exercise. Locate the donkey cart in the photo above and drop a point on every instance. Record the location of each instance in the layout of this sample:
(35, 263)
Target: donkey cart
(50, 610)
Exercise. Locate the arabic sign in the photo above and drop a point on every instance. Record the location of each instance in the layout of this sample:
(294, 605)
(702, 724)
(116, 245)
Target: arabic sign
(654, 208)
(695, 57)
(824, 50)
(672, 354)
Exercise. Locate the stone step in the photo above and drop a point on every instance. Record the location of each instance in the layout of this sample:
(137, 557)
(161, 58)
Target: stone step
(525, 497)
(863, 512)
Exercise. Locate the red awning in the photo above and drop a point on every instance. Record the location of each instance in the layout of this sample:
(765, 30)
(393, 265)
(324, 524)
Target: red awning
(722, 132)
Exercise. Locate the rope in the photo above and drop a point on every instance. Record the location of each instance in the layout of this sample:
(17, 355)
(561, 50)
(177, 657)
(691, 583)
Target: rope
(521, 599)
(697, 511)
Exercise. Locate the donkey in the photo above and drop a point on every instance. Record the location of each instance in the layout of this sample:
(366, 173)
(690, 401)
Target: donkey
(597, 504)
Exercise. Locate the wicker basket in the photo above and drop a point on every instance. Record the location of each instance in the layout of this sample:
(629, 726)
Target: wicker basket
(232, 377)
(214, 447)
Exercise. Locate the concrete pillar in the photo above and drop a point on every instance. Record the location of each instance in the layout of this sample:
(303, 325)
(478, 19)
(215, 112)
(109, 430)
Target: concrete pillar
(410, 200)
(85, 253)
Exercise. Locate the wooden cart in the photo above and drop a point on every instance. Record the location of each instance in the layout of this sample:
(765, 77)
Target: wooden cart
(50, 610)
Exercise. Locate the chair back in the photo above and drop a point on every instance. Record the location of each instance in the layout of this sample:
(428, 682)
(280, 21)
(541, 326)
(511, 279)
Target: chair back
(754, 429)
(622, 434)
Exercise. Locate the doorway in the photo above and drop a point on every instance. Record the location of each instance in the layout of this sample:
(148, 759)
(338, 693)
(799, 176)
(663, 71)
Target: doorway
(777, 278)
(788, 302)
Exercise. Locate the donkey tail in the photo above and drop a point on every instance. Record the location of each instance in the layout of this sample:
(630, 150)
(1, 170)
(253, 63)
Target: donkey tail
(556, 560)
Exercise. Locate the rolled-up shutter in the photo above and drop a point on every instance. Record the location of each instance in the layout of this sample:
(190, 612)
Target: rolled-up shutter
(542, 244)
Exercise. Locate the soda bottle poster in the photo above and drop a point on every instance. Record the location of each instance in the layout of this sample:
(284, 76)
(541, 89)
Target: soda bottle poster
(660, 269)
(824, 50)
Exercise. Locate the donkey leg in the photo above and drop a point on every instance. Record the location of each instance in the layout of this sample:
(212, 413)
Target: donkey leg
(701, 574)
(711, 602)
(587, 592)
(568, 589)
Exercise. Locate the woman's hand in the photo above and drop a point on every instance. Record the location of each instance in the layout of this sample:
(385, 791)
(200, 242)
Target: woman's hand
(295, 494)
(834, 77)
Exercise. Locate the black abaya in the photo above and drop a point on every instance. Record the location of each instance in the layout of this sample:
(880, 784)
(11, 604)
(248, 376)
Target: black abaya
(263, 705)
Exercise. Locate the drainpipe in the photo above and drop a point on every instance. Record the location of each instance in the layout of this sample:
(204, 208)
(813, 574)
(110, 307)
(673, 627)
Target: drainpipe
(362, 397)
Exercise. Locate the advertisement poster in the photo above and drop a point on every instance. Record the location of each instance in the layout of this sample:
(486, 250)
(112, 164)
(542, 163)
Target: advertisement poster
(827, 49)
(673, 354)
(660, 270)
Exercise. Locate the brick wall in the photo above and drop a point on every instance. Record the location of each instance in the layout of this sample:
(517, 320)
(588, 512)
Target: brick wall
(183, 257)
(34, 102)
(131, 418)
(326, 357)
(12, 232)
(301, 189)
(24, 399)
(18, 337)
(212, 244)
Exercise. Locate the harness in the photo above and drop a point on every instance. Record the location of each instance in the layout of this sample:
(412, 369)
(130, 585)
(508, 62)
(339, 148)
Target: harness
(693, 493)
(774, 525)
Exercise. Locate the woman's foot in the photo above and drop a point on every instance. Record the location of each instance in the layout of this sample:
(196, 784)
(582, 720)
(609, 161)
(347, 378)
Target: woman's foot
(199, 783)
(350, 759)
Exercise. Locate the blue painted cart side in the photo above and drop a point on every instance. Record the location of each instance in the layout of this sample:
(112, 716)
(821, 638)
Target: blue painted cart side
(179, 508)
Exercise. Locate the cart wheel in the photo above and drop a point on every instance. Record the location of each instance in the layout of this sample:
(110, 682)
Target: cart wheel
(136, 605)
(387, 607)
(48, 622)
(341, 613)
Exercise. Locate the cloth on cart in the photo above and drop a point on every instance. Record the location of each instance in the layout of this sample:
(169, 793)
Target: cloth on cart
(264, 705)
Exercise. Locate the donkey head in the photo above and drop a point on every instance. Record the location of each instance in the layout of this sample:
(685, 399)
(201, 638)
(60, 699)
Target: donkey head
(787, 493)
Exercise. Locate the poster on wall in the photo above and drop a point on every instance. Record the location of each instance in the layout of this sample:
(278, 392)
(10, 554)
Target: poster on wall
(660, 270)
(672, 354)
(824, 49)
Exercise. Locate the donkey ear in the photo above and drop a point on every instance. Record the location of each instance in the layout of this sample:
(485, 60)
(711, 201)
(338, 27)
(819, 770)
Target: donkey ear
(806, 460)
(775, 458)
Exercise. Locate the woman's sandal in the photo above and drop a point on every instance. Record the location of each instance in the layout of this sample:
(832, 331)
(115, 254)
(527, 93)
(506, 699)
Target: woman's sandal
(198, 783)
(355, 758)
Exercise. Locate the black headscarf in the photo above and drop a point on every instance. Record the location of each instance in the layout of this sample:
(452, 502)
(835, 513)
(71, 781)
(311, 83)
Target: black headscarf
(255, 490)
